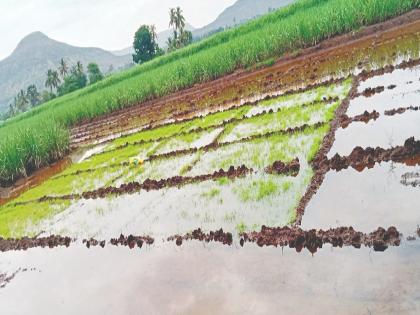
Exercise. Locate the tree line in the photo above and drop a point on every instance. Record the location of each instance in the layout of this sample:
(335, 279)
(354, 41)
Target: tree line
(66, 78)
(63, 80)
(145, 39)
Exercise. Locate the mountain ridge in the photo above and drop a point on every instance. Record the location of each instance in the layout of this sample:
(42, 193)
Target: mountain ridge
(36, 53)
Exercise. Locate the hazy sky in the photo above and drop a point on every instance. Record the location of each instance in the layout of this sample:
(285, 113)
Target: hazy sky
(109, 24)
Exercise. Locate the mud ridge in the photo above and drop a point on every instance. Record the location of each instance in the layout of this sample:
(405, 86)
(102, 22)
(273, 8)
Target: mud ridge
(365, 117)
(360, 158)
(401, 110)
(213, 236)
(364, 75)
(129, 241)
(53, 241)
(312, 240)
(326, 145)
(31, 242)
(368, 92)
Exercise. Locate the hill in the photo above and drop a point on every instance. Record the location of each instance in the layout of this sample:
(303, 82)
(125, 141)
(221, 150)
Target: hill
(36, 53)
(240, 12)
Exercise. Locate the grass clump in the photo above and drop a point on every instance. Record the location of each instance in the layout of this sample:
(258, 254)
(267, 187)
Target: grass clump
(257, 190)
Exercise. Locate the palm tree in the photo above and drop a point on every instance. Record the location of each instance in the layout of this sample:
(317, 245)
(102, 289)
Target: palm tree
(63, 68)
(53, 80)
(21, 101)
(79, 67)
(177, 21)
(172, 17)
(180, 20)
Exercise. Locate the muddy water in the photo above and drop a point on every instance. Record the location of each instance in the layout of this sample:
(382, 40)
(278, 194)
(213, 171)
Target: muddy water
(405, 93)
(375, 197)
(9, 193)
(212, 279)
(385, 132)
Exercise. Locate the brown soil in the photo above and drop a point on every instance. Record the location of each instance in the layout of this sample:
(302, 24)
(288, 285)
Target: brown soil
(361, 158)
(52, 241)
(216, 236)
(314, 239)
(132, 241)
(401, 110)
(365, 74)
(24, 184)
(368, 92)
(293, 237)
(279, 167)
(27, 242)
(365, 117)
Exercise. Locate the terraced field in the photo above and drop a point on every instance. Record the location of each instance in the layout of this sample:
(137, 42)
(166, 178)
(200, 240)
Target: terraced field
(230, 167)
(318, 152)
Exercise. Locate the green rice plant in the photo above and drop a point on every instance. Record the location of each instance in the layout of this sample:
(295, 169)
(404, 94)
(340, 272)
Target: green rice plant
(19, 221)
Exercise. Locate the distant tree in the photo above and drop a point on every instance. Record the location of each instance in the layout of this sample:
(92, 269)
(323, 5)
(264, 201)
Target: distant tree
(63, 68)
(94, 73)
(78, 67)
(53, 79)
(75, 80)
(46, 96)
(145, 46)
(176, 19)
(110, 69)
(12, 111)
(186, 38)
(33, 95)
(21, 102)
(181, 37)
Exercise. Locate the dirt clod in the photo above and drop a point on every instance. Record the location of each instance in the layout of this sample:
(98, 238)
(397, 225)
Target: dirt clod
(312, 240)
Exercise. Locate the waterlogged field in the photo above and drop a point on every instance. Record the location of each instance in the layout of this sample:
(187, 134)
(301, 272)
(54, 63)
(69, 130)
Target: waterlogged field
(285, 31)
(283, 129)
(316, 191)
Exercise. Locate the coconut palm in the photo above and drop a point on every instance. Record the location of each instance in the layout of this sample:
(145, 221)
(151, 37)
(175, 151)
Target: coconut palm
(63, 68)
(172, 17)
(180, 20)
(53, 80)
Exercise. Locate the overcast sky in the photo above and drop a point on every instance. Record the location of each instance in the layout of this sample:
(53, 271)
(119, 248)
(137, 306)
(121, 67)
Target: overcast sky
(108, 24)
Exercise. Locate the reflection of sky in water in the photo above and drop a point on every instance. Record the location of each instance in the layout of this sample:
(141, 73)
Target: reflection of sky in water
(213, 279)
(366, 200)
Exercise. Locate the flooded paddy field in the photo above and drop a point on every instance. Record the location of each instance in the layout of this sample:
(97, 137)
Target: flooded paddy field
(211, 278)
(281, 187)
